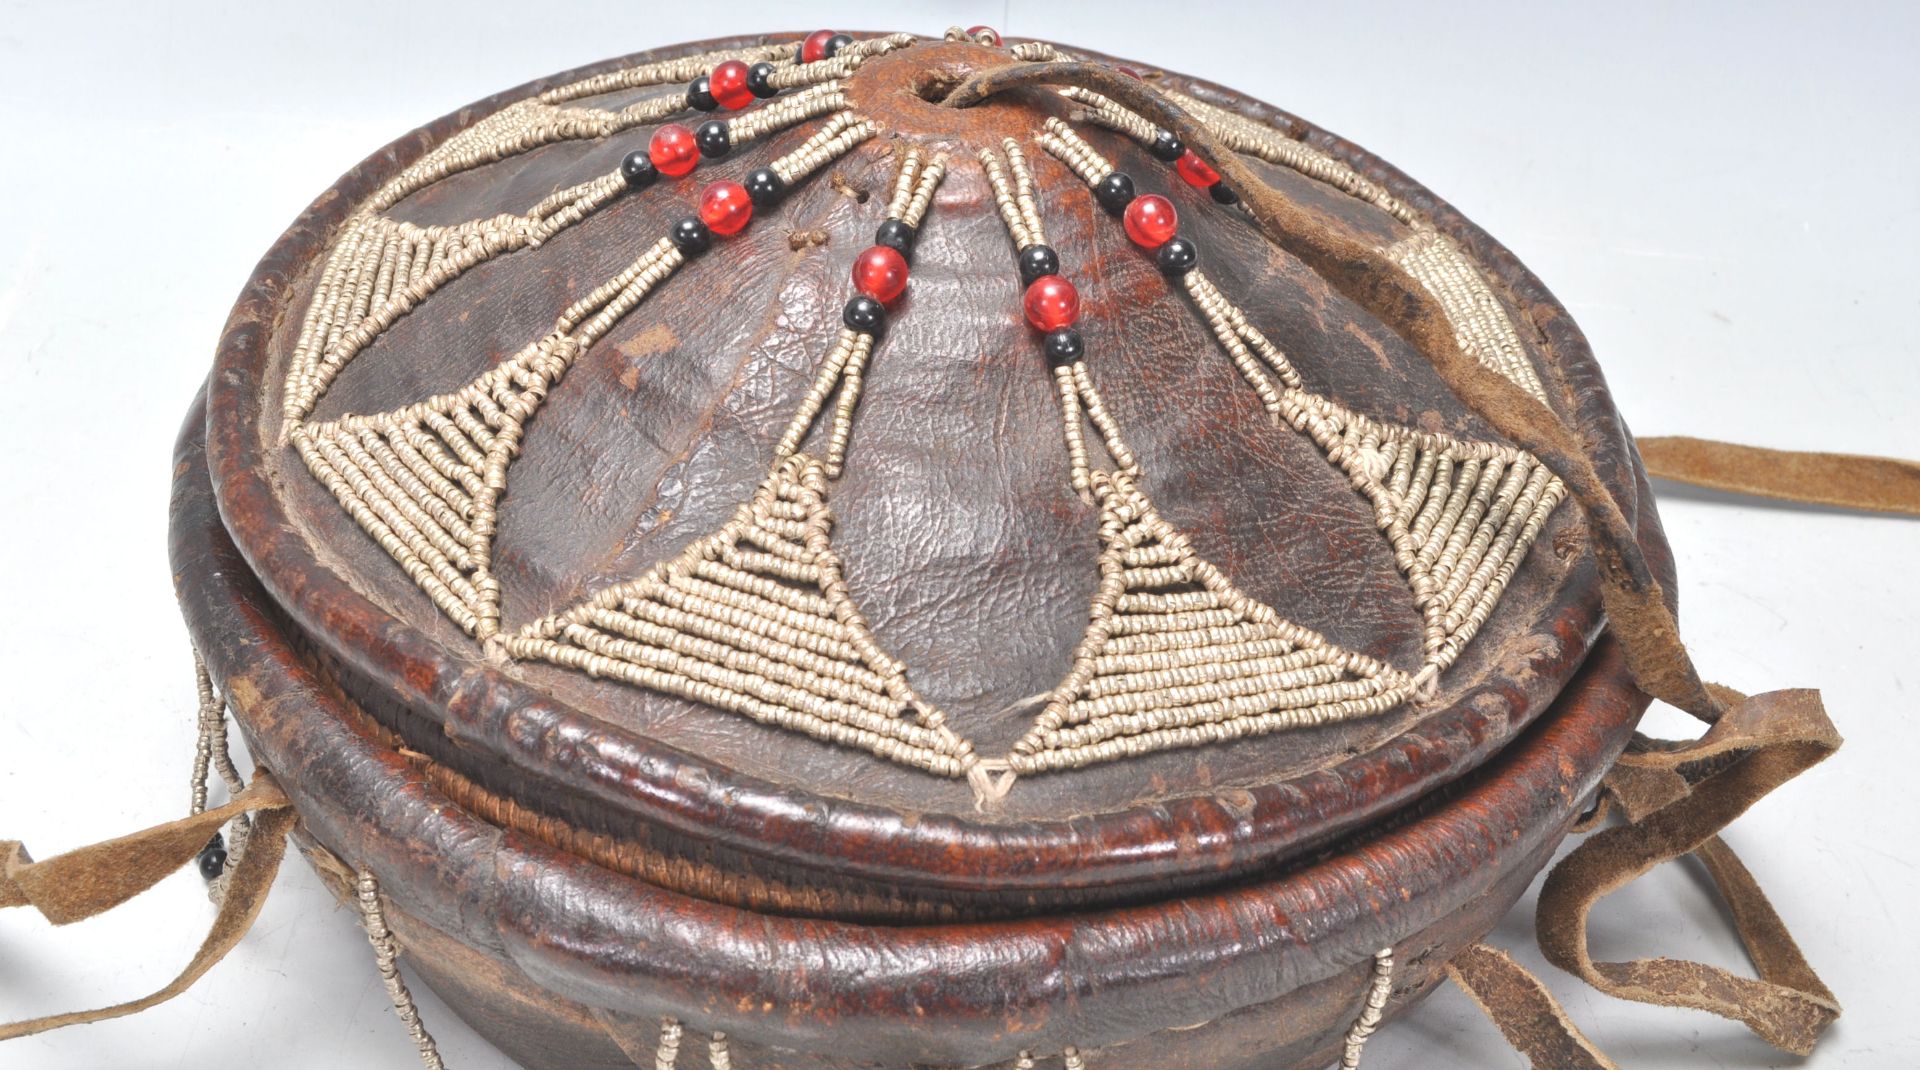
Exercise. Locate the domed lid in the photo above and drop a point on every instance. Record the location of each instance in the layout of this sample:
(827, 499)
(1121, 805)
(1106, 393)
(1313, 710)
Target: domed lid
(967, 503)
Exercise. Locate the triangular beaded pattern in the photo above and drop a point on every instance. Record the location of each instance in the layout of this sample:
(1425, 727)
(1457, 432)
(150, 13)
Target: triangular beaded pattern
(1481, 324)
(381, 268)
(756, 619)
(1176, 656)
(424, 481)
(1459, 515)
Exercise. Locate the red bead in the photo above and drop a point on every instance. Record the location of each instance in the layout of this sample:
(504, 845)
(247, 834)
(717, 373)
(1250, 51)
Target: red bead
(1052, 303)
(815, 46)
(1151, 221)
(1129, 72)
(673, 150)
(992, 35)
(728, 84)
(880, 273)
(1195, 170)
(725, 208)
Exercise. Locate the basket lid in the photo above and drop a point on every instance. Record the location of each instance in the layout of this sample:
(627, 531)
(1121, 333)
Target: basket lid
(1120, 552)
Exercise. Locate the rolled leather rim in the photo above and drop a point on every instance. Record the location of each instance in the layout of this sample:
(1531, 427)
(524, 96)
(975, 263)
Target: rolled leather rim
(942, 991)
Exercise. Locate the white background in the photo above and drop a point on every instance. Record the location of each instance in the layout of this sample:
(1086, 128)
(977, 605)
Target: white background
(1724, 198)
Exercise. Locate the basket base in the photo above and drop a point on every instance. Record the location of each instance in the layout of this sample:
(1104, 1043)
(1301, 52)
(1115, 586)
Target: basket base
(1306, 1030)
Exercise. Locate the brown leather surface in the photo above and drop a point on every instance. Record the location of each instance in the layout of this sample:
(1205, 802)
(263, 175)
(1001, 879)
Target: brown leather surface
(540, 1031)
(1677, 796)
(1525, 1010)
(1843, 480)
(530, 942)
(89, 881)
(964, 546)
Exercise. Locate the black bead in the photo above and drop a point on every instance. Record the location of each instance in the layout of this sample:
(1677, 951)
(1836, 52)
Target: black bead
(638, 170)
(700, 95)
(713, 138)
(1115, 192)
(1177, 256)
(1037, 262)
(213, 862)
(1223, 195)
(691, 235)
(1063, 347)
(834, 44)
(895, 235)
(865, 315)
(764, 187)
(757, 76)
(213, 857)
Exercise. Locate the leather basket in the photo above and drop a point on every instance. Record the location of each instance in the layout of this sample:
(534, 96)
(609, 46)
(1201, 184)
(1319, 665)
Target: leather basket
(898, 796)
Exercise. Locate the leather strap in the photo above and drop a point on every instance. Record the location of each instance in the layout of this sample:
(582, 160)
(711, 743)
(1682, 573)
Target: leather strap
(1849, 481)
(1676, 798)
(1525, 1012)
(91, 880)
(1684, 794)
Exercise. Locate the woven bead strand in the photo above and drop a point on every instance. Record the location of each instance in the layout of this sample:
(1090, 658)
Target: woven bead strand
(1379, 987)
(1432, 259)
(385, 954)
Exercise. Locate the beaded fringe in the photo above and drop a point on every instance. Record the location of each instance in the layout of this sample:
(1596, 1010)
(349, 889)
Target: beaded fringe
(386, 954)
(213, 753)
(1378, 989)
